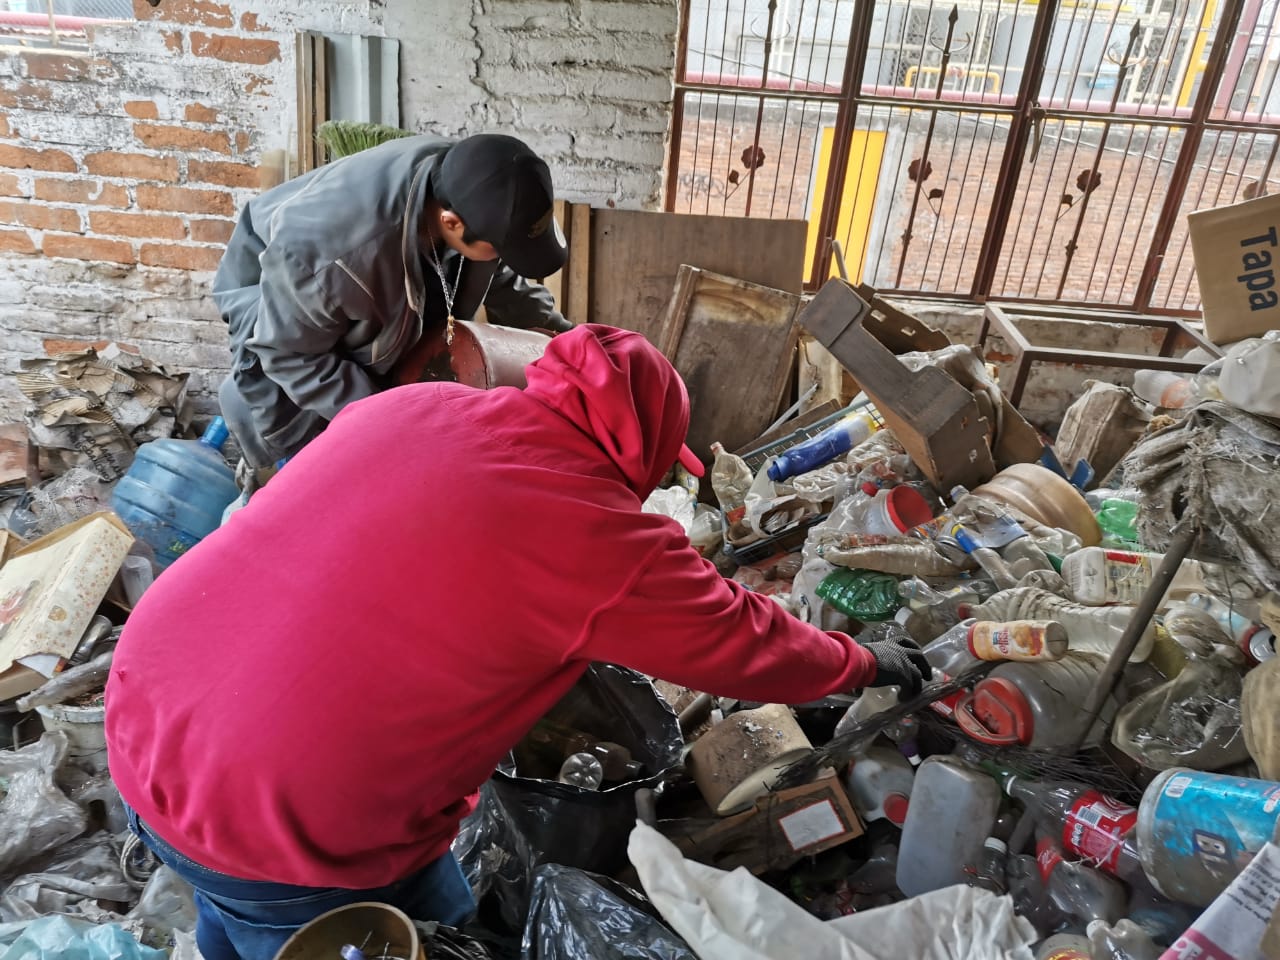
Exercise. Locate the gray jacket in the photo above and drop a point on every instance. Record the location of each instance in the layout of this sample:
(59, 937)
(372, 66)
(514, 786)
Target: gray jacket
(324, 287)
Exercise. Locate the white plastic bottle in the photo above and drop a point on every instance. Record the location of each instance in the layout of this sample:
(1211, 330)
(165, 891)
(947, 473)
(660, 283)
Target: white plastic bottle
(872, 701)
(880, 783)
(1089, 629)
(1099, 576)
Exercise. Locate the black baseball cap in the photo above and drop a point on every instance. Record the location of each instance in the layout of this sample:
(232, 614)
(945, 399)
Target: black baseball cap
(502, 191)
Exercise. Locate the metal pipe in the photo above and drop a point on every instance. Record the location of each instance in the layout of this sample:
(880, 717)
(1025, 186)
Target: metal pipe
(1184, 536)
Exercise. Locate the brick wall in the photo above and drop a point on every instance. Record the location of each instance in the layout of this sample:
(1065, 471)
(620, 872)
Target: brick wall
(122, 168)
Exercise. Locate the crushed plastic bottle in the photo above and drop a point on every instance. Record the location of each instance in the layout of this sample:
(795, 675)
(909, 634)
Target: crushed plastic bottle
(990, 872)
(1256, 641)
(1124, 940)
(1118, 520)
(862, 594)
(1076, 888)
(1030, 899)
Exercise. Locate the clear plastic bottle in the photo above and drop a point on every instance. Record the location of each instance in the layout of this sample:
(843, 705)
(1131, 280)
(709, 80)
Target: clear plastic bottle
(1125, 940)
(871, 701)
(992, 563)
(1099, 576)
(1065, 946)
(1030, 899)
(1093, 826)
(1089, 629)
(990, 872)
(1024, 556)
(837, 439)
(953, 809)
(731, 478)
(1256, 641)
(1077, 888)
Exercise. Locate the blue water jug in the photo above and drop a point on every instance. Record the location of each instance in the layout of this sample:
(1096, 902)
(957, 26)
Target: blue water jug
(175, 492)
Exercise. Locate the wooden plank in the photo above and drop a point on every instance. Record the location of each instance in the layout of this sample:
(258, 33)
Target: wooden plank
(816, 367)
(636, 256)
(305, 80)
(320, 94)
(581, 260)
(734, 350)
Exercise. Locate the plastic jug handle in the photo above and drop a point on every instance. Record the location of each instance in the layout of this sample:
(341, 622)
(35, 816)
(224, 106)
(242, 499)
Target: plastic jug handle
(973, 726)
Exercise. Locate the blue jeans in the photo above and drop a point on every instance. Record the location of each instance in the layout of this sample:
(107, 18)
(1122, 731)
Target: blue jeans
(252, 919)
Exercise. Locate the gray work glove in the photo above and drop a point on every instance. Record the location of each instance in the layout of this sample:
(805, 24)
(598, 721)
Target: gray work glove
(899, 663)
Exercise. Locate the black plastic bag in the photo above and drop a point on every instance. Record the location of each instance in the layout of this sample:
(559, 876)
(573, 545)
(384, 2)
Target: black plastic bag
(588, 829)
(575, 915)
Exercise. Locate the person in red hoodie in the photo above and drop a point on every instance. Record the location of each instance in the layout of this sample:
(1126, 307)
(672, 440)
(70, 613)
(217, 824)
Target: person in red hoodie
(303, 707)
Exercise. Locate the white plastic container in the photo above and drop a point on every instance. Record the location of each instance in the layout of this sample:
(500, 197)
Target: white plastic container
(1100, 576)
(880, 783)
(1089, 629)
(953, 810)
(85, 730)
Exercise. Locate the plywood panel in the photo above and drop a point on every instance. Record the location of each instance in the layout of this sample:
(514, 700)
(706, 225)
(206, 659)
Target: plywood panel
(733, 343)
(636, 255)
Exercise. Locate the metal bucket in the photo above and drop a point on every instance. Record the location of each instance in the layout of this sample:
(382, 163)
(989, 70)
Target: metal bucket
(482, 355)
(380, 927)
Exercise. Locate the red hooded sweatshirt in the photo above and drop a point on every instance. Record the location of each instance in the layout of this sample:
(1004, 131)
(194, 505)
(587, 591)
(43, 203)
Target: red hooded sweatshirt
(315, 692)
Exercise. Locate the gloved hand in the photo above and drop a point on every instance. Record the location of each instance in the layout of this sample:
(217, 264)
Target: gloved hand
(899, 663)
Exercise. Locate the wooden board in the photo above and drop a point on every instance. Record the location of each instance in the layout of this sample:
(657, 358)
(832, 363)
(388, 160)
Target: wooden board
(733, 342)
(635, 256)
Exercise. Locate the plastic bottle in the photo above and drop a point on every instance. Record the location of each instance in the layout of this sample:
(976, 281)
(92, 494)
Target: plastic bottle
(953, 809)
(871, 701)
(1024, 556)
(862, 594)
(1030, 899)
(1089, 629)
(1257, 642)
(1118, 520)
(990, 872)
(991, 562)
(731, 478)
(1078, 889)
(1100, 576)
(1035, 705)
(1065, 946)
(1123, 941)
(582, 770)
(879, 874)
(905, 733)
(175, 491)
(1196, 831)
(1094, 827)
(972, 640)
(1163, 388)
(837, 439)
(880, 782)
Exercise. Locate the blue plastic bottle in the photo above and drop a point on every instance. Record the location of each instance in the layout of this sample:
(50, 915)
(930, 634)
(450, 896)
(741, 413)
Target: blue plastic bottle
(175, 492)
(837, 439)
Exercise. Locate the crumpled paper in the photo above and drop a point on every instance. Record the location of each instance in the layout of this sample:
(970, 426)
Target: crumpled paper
(92, 408)
(733, 916)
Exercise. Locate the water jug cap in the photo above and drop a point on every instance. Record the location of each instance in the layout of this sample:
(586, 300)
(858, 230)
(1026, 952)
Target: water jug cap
(1003, 711)
(215, 435)
(895, 808)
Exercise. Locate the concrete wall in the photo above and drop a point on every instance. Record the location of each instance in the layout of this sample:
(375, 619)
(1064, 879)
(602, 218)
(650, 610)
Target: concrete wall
(122, 167)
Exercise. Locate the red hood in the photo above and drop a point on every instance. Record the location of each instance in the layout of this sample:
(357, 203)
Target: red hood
(619, 389)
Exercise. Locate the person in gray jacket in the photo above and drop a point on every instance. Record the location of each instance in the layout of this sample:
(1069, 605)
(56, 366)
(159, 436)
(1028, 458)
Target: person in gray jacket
(329, 279)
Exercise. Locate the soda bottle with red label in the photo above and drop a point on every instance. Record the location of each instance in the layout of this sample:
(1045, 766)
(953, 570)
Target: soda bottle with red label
(1077, 888)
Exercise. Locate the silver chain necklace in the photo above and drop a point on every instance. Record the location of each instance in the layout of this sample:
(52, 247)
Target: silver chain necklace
(449, 294)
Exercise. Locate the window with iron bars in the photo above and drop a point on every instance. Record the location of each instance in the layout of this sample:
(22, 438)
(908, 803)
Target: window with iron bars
(57, 23)
(974, 149)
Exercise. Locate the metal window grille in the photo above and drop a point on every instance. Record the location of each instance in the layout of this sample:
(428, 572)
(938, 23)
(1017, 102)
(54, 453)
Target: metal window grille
(1011, 149)
(59, 23)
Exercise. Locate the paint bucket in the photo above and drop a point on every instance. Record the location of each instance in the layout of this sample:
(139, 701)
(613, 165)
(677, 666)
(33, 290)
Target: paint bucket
(372, 924)
(84, 729)
(739, 759)
(1197, 831)
(889, 513)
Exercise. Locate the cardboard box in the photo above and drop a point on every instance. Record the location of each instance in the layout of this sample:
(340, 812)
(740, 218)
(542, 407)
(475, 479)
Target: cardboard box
(782, 828)
(1237, 254)
(51, 588)
(10, 543)
(935, 418)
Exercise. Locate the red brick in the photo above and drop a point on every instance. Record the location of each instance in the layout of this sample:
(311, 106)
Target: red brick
(242, 141)
(136, 225)
(134, 166)
(87, 248)
(42, 65)
(142, 110)
(185, 200)
(234, 49)
(82, 191)
(4, 126)
(24, 158)
(33, 96)
(181, 138)
(179, 257)
(202, 12)
(39, 217)
(211, 231)
(250, 23)
(16, 241)
(172, 40)
(199, 113)
(226, 174)
(257, 84)
(9, 186)
(54, 345)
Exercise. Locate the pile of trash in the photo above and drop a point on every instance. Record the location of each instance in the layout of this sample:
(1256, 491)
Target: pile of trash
(1093, 770)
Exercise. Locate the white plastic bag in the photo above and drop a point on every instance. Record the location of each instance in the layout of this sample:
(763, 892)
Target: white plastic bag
(36, 815)
(733, 916)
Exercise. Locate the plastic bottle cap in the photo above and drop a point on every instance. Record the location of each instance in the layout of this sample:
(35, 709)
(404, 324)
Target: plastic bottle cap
(1004, 710)
(895, 808)
(995, 843)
